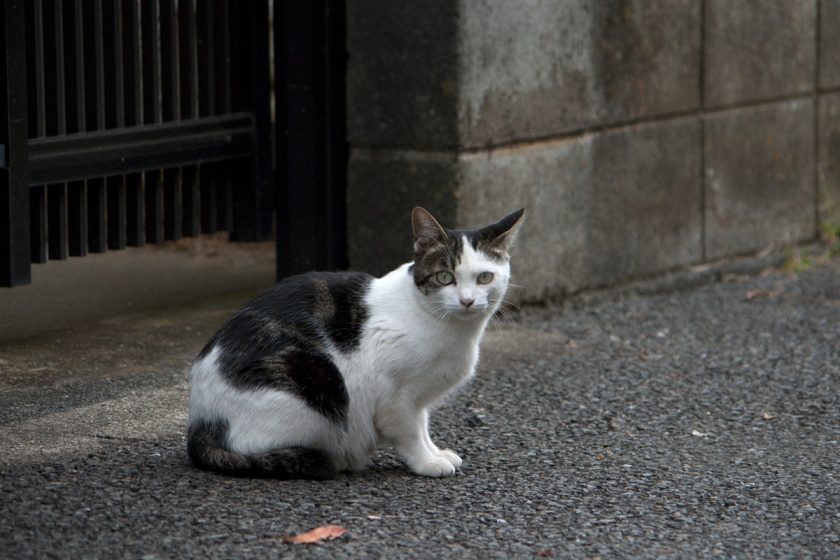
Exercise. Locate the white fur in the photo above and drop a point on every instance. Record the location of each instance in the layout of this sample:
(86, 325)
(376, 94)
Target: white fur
(413, 351)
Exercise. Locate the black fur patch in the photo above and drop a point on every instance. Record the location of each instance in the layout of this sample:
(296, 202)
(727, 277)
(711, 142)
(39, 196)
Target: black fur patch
(279, 339)
(207, 448)
(491, 240)
(306, 373)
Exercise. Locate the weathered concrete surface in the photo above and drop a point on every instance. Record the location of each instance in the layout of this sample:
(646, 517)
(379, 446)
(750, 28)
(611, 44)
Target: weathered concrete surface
(540, 68)
(602, 209)
(683, 425)
(759, 174)
(829, 162)
(402, 70)
(552, 181)
(758, 49)
(63, 293)
(646, 208)
(382, 188)
(829, 44)
(463, 104)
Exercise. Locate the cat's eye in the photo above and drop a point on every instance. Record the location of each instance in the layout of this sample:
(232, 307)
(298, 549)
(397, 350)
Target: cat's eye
(444, 277)
(485, 278)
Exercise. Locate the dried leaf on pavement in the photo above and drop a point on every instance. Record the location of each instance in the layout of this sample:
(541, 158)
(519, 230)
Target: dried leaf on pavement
(759, 293)
(325, 533)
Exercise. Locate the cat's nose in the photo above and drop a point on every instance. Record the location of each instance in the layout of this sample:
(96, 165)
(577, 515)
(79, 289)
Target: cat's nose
(467, 302)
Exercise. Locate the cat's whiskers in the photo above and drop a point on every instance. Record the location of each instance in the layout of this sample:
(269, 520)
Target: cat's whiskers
(441, 315)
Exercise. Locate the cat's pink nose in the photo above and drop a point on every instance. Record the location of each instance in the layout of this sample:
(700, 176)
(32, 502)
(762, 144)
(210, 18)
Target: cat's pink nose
(467, 302)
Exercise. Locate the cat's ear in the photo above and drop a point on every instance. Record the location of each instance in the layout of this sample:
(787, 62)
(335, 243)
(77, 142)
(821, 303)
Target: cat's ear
(426, 227)
(502, 234)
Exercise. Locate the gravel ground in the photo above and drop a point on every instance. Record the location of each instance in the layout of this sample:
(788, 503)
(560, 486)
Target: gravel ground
(692, 424)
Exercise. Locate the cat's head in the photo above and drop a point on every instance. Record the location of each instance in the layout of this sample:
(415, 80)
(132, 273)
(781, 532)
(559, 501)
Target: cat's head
(462, 273)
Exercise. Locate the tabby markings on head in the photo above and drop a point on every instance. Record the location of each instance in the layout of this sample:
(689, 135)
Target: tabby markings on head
(432, 256)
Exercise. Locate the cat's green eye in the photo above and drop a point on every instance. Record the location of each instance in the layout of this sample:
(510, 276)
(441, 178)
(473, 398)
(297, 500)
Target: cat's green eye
(485, 278)
(444, 277)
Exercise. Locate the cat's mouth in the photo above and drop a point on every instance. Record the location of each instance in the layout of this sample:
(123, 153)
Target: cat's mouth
(469, 312)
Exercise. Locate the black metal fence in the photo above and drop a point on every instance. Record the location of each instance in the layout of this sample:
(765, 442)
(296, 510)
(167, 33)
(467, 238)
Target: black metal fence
(126, 122)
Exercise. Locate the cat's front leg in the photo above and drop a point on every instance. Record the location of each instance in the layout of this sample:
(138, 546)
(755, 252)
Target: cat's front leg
(406, 428)
(448, 454)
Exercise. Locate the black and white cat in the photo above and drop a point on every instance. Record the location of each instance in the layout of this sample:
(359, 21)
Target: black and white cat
(313, 374)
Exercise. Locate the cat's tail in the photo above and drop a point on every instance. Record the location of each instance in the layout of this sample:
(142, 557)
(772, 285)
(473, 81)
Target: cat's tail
(207, 448)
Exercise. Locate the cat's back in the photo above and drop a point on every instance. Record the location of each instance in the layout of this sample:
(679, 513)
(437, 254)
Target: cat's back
(315, 310)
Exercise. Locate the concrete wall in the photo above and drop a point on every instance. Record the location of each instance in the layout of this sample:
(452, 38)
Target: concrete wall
(641, 135)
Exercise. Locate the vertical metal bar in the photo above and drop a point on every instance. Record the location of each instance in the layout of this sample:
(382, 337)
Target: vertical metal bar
(113, 52)
(116, 217)
(38, 223)
(188, 58)
(53, 69)
(170, 86)
(37, 125)
(192, 201)
(222, 85)
(57, 220)
(253, 198)
(15, 268)
(188, 52)
(77, 231)
(97, 232)
(55, 117)
(153, 185)
(173, 209)
(135, 199)
(35, 76)
(94, 67)
(207, 175)
(132, 63)
(170, 72)
(205, 43)
(134, 215)
(152, 113)
(74, 68)
(114, 116)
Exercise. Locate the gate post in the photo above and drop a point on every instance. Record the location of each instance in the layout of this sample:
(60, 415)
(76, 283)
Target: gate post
(310, 61)
(15, 267)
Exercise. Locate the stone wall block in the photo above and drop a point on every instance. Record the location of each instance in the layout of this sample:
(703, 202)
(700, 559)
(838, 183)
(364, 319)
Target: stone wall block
(646, 209)
(382, 189)
(552, 182)
(601, 209)
(829, 160)
(759, 177)
(545, 67)
(829, 43)
(758, 49)
(402, 74)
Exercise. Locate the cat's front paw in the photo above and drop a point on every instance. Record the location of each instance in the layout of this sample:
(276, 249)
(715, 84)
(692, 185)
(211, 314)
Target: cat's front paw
(435, 467)
(452, 457)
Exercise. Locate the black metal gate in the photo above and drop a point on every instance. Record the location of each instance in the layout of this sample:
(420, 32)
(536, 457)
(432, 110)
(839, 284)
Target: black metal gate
(126, 122)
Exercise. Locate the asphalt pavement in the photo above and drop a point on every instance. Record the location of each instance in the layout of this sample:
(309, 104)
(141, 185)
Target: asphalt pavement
(689, 424)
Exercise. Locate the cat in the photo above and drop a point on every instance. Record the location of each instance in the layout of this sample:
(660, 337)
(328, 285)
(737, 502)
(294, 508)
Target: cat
(312, 375)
